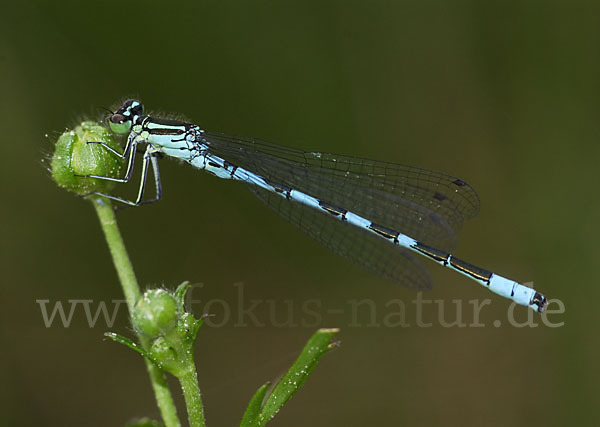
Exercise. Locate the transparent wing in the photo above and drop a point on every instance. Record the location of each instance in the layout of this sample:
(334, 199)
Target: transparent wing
(362, 248)
(428, 206)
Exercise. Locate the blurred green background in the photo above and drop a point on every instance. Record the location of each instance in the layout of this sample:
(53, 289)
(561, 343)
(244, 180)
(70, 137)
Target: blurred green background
(504, 95)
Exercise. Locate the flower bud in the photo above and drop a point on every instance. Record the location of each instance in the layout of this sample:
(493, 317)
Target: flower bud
(74, 156)
(155, 314)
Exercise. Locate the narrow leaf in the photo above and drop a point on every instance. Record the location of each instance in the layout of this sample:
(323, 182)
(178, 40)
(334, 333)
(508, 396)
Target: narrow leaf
(143, 422)
(252, 415)
(180, 295)
(319, 344)
(132, 345)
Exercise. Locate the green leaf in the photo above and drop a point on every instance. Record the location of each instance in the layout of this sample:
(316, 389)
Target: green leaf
(319, 344)
(252, 415)
(132, 345)
(143, 422)
(180, 296)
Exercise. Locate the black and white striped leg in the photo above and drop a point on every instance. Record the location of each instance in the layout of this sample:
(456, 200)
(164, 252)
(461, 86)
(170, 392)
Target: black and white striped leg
(149, 156)
(128, 153)
(108, 148)
(153, 158)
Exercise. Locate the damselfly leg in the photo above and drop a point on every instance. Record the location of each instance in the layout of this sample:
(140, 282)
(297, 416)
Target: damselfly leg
(150, 155)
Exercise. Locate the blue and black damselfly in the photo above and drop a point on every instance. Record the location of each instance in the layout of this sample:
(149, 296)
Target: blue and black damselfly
(378, 215)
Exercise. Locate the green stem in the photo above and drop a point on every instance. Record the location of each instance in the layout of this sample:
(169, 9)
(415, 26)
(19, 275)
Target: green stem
(193, 399)
(108, 221)
(132, 293)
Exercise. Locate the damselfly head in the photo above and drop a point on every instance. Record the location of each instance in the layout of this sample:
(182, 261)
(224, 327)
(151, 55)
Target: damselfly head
(121, 121)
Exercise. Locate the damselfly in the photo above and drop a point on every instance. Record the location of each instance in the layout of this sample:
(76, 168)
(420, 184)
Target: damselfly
(376, 214)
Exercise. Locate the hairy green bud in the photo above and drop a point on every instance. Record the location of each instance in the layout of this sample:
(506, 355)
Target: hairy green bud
(74, 155)
(155, 314)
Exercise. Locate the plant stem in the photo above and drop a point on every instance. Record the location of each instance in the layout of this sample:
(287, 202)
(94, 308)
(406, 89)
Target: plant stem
(193, 399)
(118, 252)
(132, 293)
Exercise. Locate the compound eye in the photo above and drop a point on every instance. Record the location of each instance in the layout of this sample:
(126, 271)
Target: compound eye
(119, 124)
